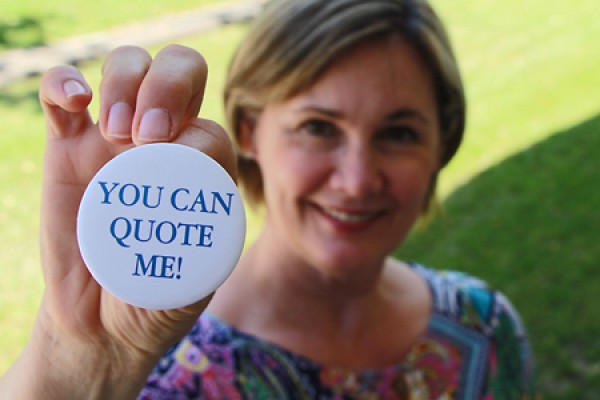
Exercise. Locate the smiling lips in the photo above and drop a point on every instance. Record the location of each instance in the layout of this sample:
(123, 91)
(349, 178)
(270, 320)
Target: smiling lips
(344, 216)
(349, 221)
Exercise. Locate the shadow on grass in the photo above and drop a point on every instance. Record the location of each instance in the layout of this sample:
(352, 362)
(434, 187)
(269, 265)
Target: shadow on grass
(29, 97)
(530, 226)
(22, 32)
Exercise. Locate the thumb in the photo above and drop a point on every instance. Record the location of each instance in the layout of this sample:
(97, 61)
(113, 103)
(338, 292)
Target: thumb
(212, 139)
(64, 97)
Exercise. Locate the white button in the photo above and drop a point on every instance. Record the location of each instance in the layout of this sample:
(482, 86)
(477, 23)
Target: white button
(161, 226)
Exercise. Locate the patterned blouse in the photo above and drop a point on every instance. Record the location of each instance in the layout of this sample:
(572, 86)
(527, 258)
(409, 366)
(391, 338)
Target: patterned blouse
(475, 347)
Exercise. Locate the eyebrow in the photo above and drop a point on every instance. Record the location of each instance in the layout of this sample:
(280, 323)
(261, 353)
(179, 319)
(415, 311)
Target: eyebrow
(404, 113)
(401, 113)
(321, 110)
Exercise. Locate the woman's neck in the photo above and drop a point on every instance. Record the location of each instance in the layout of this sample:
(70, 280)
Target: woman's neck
(281, 299)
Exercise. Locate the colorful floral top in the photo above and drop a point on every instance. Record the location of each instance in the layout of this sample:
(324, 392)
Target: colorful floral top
(474, 348)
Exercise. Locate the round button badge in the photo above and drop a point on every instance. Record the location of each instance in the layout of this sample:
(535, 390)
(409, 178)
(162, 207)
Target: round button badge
(161, 226)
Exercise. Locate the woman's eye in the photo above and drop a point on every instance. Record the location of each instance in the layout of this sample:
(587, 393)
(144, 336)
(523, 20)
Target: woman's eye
(319, 128)
(399, 134)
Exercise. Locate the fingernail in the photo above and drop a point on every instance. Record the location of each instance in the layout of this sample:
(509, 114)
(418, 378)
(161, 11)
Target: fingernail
(118, 125)
(73, 88)
(155, 125)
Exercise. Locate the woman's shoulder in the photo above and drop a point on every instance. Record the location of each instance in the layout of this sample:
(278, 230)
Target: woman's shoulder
(470, 300)
(470, 312)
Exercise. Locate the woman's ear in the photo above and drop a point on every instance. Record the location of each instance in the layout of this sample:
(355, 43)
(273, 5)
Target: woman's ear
(246, 132)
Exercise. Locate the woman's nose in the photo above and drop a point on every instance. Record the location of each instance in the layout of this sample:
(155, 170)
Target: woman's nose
(357, 171)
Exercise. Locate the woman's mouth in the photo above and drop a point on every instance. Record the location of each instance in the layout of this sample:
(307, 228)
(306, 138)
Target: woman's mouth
(350, 216)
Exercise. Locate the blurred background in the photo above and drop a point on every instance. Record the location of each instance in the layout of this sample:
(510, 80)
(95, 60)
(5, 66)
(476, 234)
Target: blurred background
(520, 201)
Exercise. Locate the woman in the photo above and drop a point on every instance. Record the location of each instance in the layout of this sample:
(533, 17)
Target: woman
(343, 113)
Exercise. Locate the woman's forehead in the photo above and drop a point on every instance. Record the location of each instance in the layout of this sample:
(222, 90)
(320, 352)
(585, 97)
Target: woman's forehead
(374, 74)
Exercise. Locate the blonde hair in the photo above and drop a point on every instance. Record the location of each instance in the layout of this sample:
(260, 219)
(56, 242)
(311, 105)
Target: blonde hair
(292, 43)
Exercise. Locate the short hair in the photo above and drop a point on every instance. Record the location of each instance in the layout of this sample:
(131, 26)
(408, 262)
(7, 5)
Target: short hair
(291, 44)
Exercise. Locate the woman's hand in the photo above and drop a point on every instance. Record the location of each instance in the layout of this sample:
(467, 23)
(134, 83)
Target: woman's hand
(86, 342)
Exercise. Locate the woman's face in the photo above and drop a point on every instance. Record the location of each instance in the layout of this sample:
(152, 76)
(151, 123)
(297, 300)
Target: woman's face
(347, 164)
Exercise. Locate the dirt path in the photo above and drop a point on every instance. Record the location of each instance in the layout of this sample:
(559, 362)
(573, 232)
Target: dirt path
(22, 63)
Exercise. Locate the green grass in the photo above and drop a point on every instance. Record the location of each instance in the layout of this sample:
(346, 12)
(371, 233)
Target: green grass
(520, 198)
(34, 22)
(530, 69)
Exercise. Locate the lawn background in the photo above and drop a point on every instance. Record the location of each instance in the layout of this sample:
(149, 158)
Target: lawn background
(520, 199)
